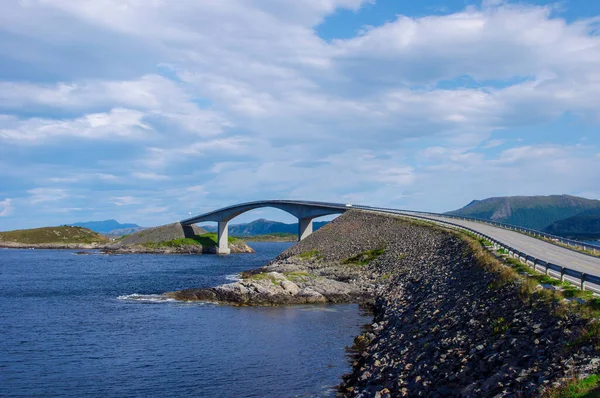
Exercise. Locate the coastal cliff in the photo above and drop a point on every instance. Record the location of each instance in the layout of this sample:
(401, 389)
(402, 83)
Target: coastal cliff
(449, 318)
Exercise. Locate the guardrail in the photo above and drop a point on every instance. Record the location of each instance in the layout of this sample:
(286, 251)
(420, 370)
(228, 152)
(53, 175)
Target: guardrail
(559, 272)
(538, 234)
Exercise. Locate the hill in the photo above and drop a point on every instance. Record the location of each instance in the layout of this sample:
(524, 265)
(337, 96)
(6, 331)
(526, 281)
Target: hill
(105, 227)
(264, 227)
(536, 212)
(162, 233)
(175, 238)
(585, 225)
(53, 235)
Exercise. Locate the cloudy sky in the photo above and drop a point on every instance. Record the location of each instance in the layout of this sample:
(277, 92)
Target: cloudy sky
(147, 110)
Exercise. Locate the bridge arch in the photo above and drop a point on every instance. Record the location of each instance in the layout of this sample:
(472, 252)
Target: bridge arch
(305, 211)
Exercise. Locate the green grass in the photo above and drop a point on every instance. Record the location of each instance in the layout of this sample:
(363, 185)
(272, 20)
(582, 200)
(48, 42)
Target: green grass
(309, 255)
(274, 237)
(205, 240)
(263, 276)
(298, 276)
(364, 258)
(61, 235)
(499, 325)
(584, 388)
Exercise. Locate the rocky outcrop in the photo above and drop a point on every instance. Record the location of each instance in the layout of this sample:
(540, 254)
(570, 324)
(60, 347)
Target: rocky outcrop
(161, 234)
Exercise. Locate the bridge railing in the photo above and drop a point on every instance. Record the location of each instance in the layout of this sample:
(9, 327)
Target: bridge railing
(535, 233)
(580, 278)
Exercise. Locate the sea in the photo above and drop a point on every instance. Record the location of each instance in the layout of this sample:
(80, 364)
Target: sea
(96, 326)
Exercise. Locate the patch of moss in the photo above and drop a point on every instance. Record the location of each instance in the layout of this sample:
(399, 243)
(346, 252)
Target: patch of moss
(364, 258)
(262, 277)
(310, 254)
(298, 276)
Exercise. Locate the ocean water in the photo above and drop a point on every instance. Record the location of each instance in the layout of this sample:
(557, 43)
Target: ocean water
(94, 325)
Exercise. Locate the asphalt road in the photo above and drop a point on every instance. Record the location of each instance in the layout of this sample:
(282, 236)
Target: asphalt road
(532, 246)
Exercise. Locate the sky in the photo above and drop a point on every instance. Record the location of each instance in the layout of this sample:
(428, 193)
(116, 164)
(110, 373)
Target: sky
(147, 111)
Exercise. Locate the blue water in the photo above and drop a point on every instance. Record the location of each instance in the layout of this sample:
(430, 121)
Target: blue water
(69, 327)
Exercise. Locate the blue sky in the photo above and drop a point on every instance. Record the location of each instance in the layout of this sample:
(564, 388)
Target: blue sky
(146, 111)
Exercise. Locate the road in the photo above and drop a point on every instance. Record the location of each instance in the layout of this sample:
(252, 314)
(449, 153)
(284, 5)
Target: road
(534, 247)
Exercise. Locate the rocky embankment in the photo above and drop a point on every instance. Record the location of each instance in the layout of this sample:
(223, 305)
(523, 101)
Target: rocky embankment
(445, 324)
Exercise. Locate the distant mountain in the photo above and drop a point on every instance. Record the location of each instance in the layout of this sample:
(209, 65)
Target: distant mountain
(115, 233)
(262, 227)
(105, 227)
(585, 225)
(536, 212)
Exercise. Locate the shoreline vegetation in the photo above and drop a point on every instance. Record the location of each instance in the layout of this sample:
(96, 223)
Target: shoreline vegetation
(451, 318)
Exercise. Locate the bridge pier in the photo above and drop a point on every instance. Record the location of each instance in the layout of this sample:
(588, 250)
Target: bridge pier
(223, 236)
(305, 227)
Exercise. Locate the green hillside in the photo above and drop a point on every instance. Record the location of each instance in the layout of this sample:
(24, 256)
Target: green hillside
(585, 225)
(536, 212)
(64, 234)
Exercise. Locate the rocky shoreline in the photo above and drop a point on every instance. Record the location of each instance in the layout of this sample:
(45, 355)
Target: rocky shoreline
(237, 247)
(66, 246)
(445, 324)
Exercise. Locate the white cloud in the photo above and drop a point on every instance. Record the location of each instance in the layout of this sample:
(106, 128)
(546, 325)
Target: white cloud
(156, 97)
(492, 144)
(124, 200)
(262, 106)
(118, 123)
(150, 176)
(40, 195)
(5, 207)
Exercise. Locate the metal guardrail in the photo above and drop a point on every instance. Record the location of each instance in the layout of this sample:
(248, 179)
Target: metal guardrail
(561, 272)
(538, 234)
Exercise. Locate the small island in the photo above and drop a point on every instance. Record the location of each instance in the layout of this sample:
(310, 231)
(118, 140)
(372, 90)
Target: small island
(167, 239)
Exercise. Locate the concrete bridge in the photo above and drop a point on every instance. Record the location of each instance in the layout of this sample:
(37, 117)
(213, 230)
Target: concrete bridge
(303, 210)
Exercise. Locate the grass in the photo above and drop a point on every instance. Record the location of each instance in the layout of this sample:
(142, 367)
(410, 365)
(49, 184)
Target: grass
(263, 276)
(298, 276)
(364, 258)
(310, 255)
(205, 240)
(499, 325)
(584, 388)
(274, 237)
(62, 235)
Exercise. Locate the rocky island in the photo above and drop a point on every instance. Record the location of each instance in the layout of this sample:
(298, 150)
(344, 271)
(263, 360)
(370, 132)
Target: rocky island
(450, 319)
(167, 239)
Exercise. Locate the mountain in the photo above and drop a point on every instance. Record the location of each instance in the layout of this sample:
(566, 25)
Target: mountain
(116, 233)
(262, 227)
(536, 212)
(46, 235)
(585, 225)
(107, 226)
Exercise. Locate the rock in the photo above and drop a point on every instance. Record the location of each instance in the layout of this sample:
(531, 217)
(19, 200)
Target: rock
(290, 287)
